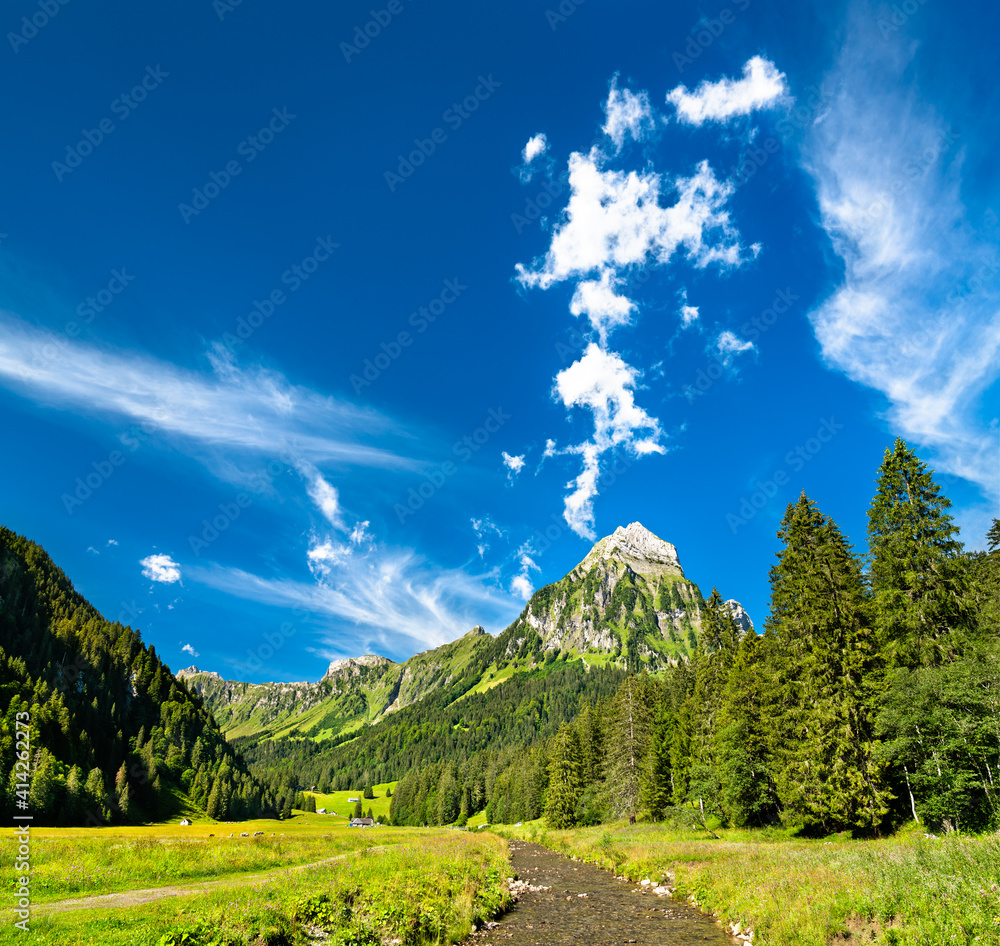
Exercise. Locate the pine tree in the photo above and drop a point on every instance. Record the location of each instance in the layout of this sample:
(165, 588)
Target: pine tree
(565, 772)
(655, 793)
(359, 811)
(97, 800)
(822, 665)
(917, 579)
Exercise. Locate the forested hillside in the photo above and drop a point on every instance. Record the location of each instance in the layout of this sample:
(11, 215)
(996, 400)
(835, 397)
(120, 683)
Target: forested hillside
(114, 736)
(872, 698)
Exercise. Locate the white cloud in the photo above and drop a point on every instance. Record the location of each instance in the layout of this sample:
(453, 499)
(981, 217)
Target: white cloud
(601, 382)
(160, 568)
(245, 412)
(188, 649)
(482, 528)
(761, 86)
(627, 115)
(537, 145)
(689, 313)
(92, 550)
(322, 556)
(360, 534)
(514, 464)
(522, 587)
(917, 316)
(728, 346)
(388, 601)
(112, 541)
(326, 498)
(598, 300)
(615, 220)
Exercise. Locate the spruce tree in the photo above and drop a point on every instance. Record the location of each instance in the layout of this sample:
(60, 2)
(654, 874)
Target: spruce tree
(822, 664)
(627, 743)
(565, 772)
(917, 579)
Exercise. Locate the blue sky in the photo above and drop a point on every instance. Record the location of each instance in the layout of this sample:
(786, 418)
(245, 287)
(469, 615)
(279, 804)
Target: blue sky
(327, 331)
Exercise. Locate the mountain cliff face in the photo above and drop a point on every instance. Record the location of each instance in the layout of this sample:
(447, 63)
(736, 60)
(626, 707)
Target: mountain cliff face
(628, 600)
(627, 604)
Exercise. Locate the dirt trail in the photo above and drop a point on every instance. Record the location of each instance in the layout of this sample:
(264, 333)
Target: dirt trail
(134, 898)
(570, 903)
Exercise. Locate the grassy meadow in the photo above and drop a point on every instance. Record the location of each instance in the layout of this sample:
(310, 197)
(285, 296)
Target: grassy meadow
(361, 886)
(790, 892)
(337, 801)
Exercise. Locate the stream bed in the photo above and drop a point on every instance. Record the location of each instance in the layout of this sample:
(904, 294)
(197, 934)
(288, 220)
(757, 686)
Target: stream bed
(570, 902)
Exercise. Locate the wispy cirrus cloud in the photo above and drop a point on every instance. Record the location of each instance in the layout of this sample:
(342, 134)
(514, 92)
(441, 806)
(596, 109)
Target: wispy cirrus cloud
(393, 601)
(917, 314)
(255, 410)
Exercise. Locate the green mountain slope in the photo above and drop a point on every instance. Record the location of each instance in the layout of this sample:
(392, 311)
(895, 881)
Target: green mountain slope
(113, 735)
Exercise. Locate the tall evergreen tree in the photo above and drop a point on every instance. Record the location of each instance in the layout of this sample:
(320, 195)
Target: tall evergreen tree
(822, 664)
(918, 580)
(627, 742)
(565, 772)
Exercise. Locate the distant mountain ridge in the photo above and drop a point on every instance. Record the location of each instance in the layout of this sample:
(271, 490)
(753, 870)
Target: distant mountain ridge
(627, 604)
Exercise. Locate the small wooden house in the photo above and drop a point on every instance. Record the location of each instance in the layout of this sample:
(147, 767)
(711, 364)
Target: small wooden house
(362, 822)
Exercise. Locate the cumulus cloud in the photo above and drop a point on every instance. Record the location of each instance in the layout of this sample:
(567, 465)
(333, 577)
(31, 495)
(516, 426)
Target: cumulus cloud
(522, 585)
(917, 316)
(603, 384)
(322, 556)
(112, 541)
(161, 568)
(514, 464)
(688, 313)
(537, 145)
(615, 220)
(728, 345)
(188, 649)
(627, 115)
(761, 86)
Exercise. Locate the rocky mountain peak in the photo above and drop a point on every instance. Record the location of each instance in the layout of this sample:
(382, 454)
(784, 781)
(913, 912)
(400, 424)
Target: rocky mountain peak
(351, 666)
(740, 616)
(634, 545)
(193, 671)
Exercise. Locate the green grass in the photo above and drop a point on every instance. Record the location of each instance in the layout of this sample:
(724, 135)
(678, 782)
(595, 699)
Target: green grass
(415, 886)
(337, 801)
(71, 862)
(791, 892)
